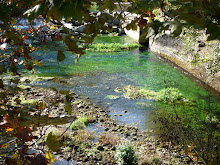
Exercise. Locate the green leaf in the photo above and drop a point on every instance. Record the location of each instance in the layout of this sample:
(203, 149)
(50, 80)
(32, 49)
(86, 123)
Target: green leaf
(37, 62)
(175, 27)
(14, 36)
(213, 31)
(147, 32)
(68, 108)
(88, 18)
(72, 9)
(53, 142)
(109, 4)
(34, 12)
(60, 56)
(13, 69)
(132, 26)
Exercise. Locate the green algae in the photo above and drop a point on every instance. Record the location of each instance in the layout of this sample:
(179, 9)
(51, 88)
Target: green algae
(112, 97)
(79, 123)
(166, 95)
(112, 47)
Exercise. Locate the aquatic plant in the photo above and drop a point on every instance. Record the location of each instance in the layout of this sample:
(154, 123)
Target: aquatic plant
(112, 97)
(166, 95)
(79, 123)
(125, 154)
(132, 92)
(169, 95)
(112, 47)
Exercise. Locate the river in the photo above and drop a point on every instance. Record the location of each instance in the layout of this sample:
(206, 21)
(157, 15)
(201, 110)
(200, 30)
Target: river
(96, 75)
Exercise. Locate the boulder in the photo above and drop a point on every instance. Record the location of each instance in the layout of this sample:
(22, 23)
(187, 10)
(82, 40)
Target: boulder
(80, 29)
(107, 17)
(116, 22)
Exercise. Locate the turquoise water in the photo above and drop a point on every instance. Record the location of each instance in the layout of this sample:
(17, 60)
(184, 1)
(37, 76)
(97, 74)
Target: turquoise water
(96, 75)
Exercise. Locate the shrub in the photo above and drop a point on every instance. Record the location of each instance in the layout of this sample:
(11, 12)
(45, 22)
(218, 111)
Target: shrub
(125, 154)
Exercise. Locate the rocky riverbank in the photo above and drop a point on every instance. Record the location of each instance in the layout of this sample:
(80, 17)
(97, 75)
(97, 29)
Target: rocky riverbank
(95, 142)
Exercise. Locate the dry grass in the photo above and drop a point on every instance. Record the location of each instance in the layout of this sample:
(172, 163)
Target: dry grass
(83, 136)
(109, 139)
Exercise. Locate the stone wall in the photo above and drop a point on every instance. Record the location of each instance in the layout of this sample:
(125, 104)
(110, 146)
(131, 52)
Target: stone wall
(194, 54)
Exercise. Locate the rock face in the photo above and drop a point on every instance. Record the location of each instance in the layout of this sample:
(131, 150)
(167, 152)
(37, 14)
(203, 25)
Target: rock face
(194, 54)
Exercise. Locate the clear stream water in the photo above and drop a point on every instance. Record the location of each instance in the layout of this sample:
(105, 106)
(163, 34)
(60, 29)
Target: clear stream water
(96, 75)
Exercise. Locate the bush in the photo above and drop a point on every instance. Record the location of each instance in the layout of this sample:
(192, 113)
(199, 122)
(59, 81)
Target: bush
(125, 154)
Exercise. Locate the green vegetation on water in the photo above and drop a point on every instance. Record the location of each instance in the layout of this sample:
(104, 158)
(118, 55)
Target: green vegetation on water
(166, 95)
(81, 122)
(112, 47)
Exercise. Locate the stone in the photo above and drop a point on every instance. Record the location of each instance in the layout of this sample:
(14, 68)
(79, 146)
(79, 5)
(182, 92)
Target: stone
(106, 129)
(106, 16)
(201, 44)
(80, 106)
(36, 42)
(85, 159)
(80, 29)
(116, 22)
(100, 148)
(115, 29)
